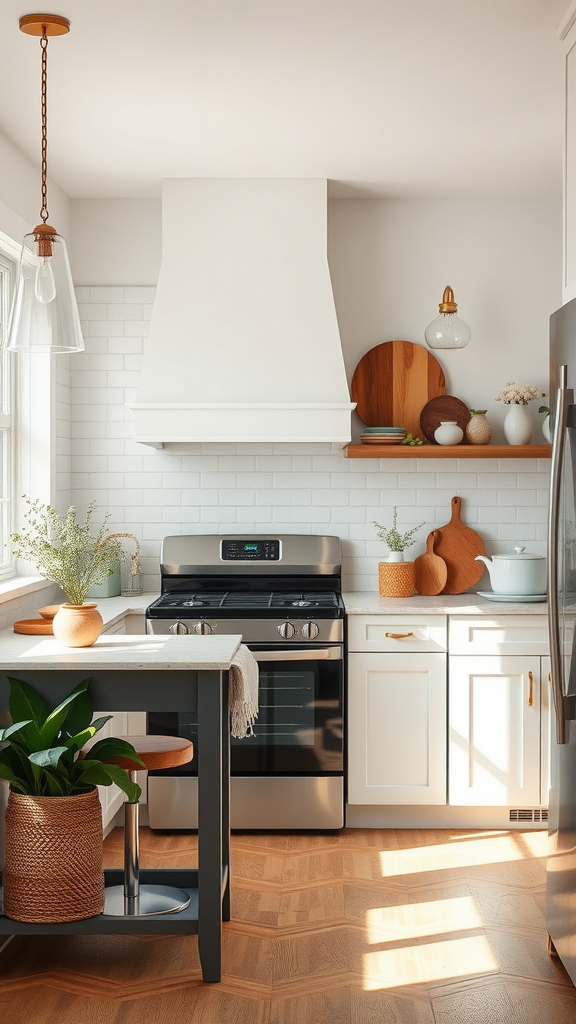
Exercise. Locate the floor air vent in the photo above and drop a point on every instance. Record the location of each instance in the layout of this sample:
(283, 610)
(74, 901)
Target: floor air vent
(525, 814)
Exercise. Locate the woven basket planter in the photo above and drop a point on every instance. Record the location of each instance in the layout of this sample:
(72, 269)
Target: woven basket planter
(54, 868)
(396, 579)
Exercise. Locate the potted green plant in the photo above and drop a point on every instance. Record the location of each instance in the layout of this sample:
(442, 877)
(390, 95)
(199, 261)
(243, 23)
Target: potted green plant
(53, 866)
(73, 555)
(395, 576)
(546, 422)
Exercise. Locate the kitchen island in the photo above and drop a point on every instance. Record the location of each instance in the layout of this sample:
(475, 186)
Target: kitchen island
(140, 673)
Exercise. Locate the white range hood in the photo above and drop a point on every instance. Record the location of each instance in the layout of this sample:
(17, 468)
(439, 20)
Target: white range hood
(243, 342)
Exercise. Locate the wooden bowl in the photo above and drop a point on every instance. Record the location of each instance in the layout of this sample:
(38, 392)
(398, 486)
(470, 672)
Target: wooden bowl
(49, 611)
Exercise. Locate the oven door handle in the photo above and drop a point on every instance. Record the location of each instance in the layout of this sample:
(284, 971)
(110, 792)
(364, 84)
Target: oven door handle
(324, 654)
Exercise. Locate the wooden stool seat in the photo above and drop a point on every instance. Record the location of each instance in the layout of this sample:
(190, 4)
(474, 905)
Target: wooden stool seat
(131, 899)
(156, 752)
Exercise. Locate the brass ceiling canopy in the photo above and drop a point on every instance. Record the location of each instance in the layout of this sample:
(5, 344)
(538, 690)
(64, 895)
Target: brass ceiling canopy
(44, 25)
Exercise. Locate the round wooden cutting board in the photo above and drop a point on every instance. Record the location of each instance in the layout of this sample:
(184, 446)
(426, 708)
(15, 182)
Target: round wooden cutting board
(443, 408)
(393, 382)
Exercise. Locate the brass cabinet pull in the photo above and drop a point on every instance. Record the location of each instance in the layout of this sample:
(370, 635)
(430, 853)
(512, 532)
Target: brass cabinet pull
(398, 636)
(530, 692)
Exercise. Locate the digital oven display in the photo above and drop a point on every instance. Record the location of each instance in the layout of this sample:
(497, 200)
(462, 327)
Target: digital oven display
(250, 550)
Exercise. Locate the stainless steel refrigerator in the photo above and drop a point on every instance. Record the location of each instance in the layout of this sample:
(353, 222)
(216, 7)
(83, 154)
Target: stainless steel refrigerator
(561, 864)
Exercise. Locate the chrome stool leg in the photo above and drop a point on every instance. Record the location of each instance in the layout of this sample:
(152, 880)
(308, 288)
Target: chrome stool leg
(132, 899)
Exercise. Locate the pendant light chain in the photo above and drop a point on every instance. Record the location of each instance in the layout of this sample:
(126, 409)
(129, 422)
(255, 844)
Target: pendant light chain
(44, 47)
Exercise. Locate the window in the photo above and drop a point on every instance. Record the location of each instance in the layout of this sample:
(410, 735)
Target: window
(7, 460)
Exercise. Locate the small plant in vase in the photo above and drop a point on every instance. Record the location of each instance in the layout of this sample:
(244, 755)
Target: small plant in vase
(73, 556)
(546, 423)
(395, 576)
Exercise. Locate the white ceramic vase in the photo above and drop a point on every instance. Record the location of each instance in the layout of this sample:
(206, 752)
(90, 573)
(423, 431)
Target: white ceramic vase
(518, 425)
(448, 433)
(546, 428)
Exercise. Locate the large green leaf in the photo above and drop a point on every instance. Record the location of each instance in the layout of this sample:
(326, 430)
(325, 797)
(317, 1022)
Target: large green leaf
(113, 747)
(81, 711)
(105, 774)
(55, 784)
(77, 742)
(48, 758)
(10, 730)
(25, 703)
(56, 719)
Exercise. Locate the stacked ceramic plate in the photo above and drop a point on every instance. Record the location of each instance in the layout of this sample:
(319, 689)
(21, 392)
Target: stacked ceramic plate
(383, 435)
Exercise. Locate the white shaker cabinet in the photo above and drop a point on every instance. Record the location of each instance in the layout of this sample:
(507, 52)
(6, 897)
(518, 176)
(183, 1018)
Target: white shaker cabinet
(494, 731)
(496, 702)
(397, 710)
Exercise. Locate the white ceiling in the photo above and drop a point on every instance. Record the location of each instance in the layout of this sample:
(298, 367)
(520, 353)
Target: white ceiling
(382, 97)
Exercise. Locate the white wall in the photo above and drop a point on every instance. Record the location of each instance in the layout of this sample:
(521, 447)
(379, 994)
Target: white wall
(390, 261)
(115, 241)
(20, 195)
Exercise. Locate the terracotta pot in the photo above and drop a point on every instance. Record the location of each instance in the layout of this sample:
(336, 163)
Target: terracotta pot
(77, 625)
(396, 579)
(53, 857)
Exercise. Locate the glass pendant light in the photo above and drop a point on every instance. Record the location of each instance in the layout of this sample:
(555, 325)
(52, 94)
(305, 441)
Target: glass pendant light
(447, 330)
(44, 315)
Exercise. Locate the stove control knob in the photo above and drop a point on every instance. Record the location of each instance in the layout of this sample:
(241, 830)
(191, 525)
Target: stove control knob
(286, 630)
(202, 628)
(310, 630)
(178, 629)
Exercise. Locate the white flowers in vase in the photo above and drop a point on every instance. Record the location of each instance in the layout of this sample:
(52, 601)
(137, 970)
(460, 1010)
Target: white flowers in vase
(519, 394)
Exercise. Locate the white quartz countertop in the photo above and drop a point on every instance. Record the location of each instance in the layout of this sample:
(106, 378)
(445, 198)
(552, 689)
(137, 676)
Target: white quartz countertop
(369, 603)
(120, 652)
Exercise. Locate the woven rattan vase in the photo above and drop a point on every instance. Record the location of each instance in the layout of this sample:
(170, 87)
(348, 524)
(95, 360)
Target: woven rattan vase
(396, 579)
(53, 867)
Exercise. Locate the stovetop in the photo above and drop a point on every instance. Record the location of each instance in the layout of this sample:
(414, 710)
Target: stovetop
(304, 603)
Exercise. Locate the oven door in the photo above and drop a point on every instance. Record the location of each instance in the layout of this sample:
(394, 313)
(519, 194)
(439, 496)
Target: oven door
(300, 725)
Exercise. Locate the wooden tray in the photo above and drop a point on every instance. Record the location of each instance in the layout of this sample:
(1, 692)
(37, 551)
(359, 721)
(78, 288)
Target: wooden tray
(444, 407)
(393, 382)
(34, 627)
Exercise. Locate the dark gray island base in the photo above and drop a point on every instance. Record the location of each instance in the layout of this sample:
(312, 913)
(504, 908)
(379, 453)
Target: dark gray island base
(178, 688)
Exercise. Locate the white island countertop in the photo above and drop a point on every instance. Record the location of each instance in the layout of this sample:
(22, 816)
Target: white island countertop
(369, 603)
(119, 652)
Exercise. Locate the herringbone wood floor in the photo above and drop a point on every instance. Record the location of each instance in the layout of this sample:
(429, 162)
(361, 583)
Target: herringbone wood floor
(363, 927)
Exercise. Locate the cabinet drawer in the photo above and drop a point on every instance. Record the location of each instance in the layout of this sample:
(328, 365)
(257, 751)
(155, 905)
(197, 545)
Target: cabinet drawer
(505, 634)
(395, 633)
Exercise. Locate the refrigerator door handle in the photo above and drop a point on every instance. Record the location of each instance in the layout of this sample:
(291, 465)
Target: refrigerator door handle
(564, 399)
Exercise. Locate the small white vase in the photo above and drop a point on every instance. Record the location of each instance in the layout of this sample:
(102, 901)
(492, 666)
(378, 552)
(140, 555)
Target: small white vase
(546, 428)
(395, 556)
(448, 433)
(518, 425)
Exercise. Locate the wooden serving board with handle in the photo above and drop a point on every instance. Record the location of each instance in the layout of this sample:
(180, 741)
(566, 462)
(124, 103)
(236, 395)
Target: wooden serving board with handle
(430, 571)
(393, 382)
(458, 545)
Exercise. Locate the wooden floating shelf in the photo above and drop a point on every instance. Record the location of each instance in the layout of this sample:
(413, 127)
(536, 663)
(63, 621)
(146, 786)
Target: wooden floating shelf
(448, 451)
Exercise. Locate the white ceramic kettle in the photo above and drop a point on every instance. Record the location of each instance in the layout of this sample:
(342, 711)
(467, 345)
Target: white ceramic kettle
(517, 574)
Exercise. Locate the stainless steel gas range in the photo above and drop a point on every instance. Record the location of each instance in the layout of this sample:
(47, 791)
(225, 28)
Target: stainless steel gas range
(282, 593)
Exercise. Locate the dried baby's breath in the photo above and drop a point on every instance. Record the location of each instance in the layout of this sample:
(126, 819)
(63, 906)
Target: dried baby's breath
(65, 551)
(519, 394)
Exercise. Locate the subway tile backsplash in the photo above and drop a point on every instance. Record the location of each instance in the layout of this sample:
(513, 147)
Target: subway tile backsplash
(265, 487)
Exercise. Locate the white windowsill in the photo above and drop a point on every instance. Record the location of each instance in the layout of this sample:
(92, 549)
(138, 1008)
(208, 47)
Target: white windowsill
(18, 586)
